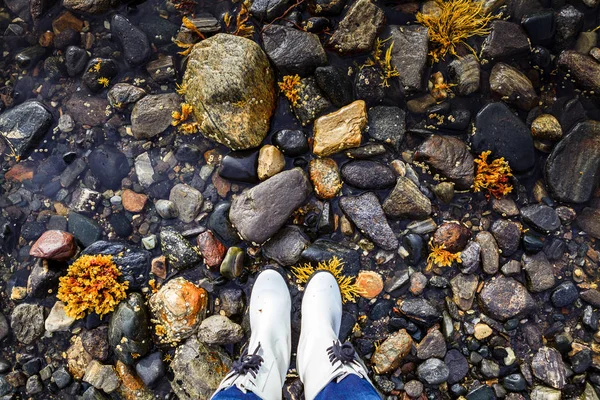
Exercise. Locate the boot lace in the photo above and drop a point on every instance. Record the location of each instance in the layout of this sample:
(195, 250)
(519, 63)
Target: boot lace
(345, 361)
(343, 353)
(248, 363)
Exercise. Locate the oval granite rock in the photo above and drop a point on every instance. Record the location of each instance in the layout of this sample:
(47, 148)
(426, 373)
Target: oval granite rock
(231, 86)
(572, 167)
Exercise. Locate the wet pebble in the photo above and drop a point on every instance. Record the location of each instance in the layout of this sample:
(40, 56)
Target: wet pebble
(368, 175)
(128, 332)
(241, 166)
(291, 50)
(219, 330)
(366, 213)
(505, 298)
(541, 217)
(334, 82)
(259, 212)
(151, 115)
(76, 60)
(291, 142)
(433, 371)
(498, 129)
(187, 200)
(151, 368)
(136, 47)
(287, 245)
(109, 165)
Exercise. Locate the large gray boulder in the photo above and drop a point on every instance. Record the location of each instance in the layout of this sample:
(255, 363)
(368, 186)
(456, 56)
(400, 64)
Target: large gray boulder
(231, 86)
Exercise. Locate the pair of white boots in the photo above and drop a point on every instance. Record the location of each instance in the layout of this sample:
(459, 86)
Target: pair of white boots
(320, 359)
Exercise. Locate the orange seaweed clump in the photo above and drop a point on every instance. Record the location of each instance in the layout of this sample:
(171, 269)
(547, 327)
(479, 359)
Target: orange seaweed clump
(290, 88)
(91, 285)
(492, 177)
(440, 257)
(180, 117)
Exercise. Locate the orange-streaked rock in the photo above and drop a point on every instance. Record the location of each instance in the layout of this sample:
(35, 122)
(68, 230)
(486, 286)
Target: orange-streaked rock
(179, 307)
(370, 284)
(325, 177)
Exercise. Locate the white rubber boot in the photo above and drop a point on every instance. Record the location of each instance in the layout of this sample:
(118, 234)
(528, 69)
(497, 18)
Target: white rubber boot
(321, 356)
(263, 366)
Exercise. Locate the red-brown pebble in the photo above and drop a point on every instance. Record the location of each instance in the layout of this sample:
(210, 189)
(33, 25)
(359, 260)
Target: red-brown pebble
(54, 245)
(211, 249)
(132, 201)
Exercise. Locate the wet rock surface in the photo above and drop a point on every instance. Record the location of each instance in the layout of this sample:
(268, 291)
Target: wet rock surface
(367, 214)
(279, 197)
(573, 163)
(498, 129)
(505, 298)
(293, 51)
(241, 63)
(193, 153)
(357, 31)
(25, 125)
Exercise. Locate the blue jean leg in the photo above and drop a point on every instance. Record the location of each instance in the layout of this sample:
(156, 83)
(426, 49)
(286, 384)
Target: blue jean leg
(351, 387)
(233, 393)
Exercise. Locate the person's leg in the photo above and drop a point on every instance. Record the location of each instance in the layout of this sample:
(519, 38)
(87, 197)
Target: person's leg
(351, 387)
(233, 393)
(322, 360)
(260, 372)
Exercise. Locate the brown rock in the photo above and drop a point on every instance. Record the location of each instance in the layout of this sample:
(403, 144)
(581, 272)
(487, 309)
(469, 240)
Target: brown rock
(406, 201)
(95, 342)
(370, 283)
(390, 353)
(65, 21)
(159, 267)
(450, 157)
(463, 290)
(482, 331)
(54, 245)
(270, 162)
(211, 249)
(490, 255)
(546, 127)
(505, 298)
(340, 130)
(513, 86)
(20, 172)
(132, 387)
(101, 376)
(77, 358)
(584, 69)
(589, 221)
(325, 177)
(132, 201)
(179, 306)
(453, 235)
(223, 186)
(357, 31)
(591, 296)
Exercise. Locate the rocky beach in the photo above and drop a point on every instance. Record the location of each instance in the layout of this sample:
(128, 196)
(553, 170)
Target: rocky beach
(441, 158)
